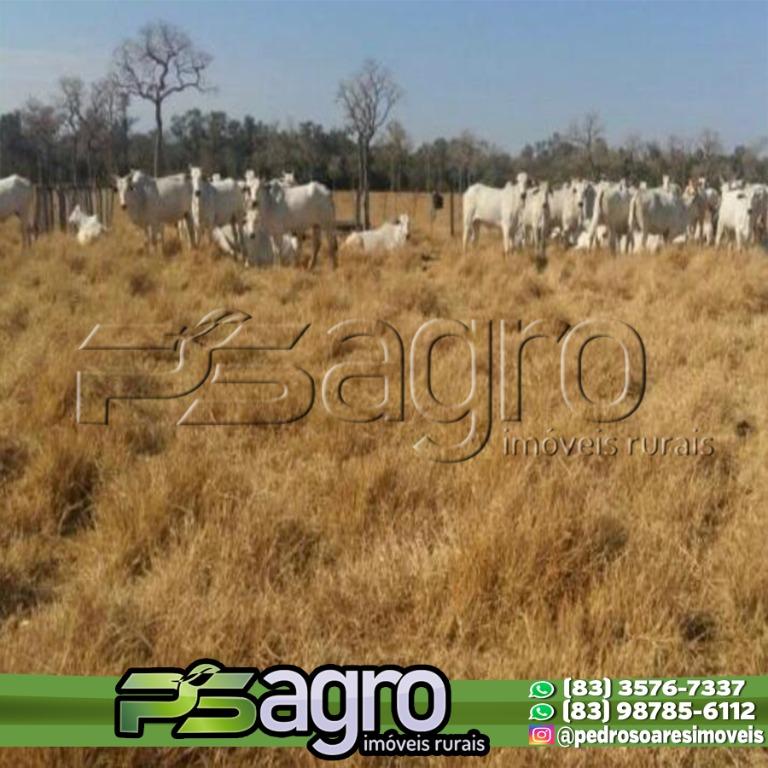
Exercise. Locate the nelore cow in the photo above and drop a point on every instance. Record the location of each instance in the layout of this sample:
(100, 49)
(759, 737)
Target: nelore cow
(286, 210)
(256, 248)
(664, 211)
(535, 218)
(493, 207)
(17, 198)
(215, 203)
(569, 206)
(611, 209)
(738, 215)
(388, 237)
(153, 203)
(89, 228)
(250, 186)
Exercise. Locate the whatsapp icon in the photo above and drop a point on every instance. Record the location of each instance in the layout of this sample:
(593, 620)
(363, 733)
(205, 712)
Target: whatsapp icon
(542, 689)
(542, 712)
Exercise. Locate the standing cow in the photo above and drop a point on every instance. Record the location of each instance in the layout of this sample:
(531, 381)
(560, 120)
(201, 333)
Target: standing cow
(17, 198)
(151, 203)
(568, 208)
(737, 216)
(611, 209)
(215, 203)
(665, 212)
(493, 207)
(250, 187)
(285, 210)
(535, 218)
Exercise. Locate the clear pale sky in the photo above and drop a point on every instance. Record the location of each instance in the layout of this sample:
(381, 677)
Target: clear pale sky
(511, 72)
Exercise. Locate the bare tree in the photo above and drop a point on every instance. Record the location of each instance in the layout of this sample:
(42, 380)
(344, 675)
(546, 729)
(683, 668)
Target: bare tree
(587, 134)
(41, 122)
(367, 100)
(71, 105)
(160, 62)
(396, 146)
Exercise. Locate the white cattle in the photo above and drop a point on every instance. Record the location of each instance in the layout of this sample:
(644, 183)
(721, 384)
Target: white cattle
(760, 211)
(17, 198)
(600, 237)
(535, 217)
(292, 210)
(568, 206)
(493, 207)
(652, 244)
(215, 203)
(663, 211)
(611, 209)
(388, 237)
(250, 187)
(737, 216)
(703, 228)
(152, 203)
(257, 248)
(89, 228)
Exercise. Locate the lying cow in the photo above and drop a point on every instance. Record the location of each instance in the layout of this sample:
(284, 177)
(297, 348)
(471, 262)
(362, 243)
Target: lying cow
(89, 228)
(17, 198)
(152, 203)
(388, 237)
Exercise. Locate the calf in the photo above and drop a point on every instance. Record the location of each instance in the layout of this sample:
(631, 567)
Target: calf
(89, 228)
(388, 237)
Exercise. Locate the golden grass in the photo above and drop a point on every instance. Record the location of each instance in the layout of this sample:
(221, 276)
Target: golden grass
(144, 543)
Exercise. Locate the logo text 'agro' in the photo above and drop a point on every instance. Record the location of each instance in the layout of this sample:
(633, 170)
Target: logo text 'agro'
(230, 370)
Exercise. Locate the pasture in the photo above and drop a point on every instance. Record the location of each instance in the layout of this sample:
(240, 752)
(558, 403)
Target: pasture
(143, 543)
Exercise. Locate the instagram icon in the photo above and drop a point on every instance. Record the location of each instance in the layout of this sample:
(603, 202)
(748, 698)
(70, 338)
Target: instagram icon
(540, 735)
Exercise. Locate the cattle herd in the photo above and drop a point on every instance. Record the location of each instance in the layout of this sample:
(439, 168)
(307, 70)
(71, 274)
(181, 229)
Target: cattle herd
(583, 214)
(263, 221)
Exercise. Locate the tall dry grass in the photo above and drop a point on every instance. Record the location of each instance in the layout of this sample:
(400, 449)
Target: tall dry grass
(144, 543)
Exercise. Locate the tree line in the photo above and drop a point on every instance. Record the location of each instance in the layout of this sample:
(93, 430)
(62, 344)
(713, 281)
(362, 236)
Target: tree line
(86, 133)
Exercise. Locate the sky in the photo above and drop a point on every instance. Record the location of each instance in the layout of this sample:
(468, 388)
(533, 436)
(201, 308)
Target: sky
(511, 72)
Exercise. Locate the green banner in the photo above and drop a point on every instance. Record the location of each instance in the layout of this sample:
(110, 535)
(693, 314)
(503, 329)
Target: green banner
(62, 711)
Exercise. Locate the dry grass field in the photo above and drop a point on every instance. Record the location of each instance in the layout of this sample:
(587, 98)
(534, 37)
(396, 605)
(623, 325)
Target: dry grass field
(143, 543)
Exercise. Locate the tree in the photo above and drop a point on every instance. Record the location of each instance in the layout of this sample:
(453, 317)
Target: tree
(367, 100)
(41, 122)
(71, 105)
(587, 134)
(396, 147)
(162, 61)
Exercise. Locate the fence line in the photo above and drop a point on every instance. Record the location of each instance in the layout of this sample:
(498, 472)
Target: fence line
(54, 204)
